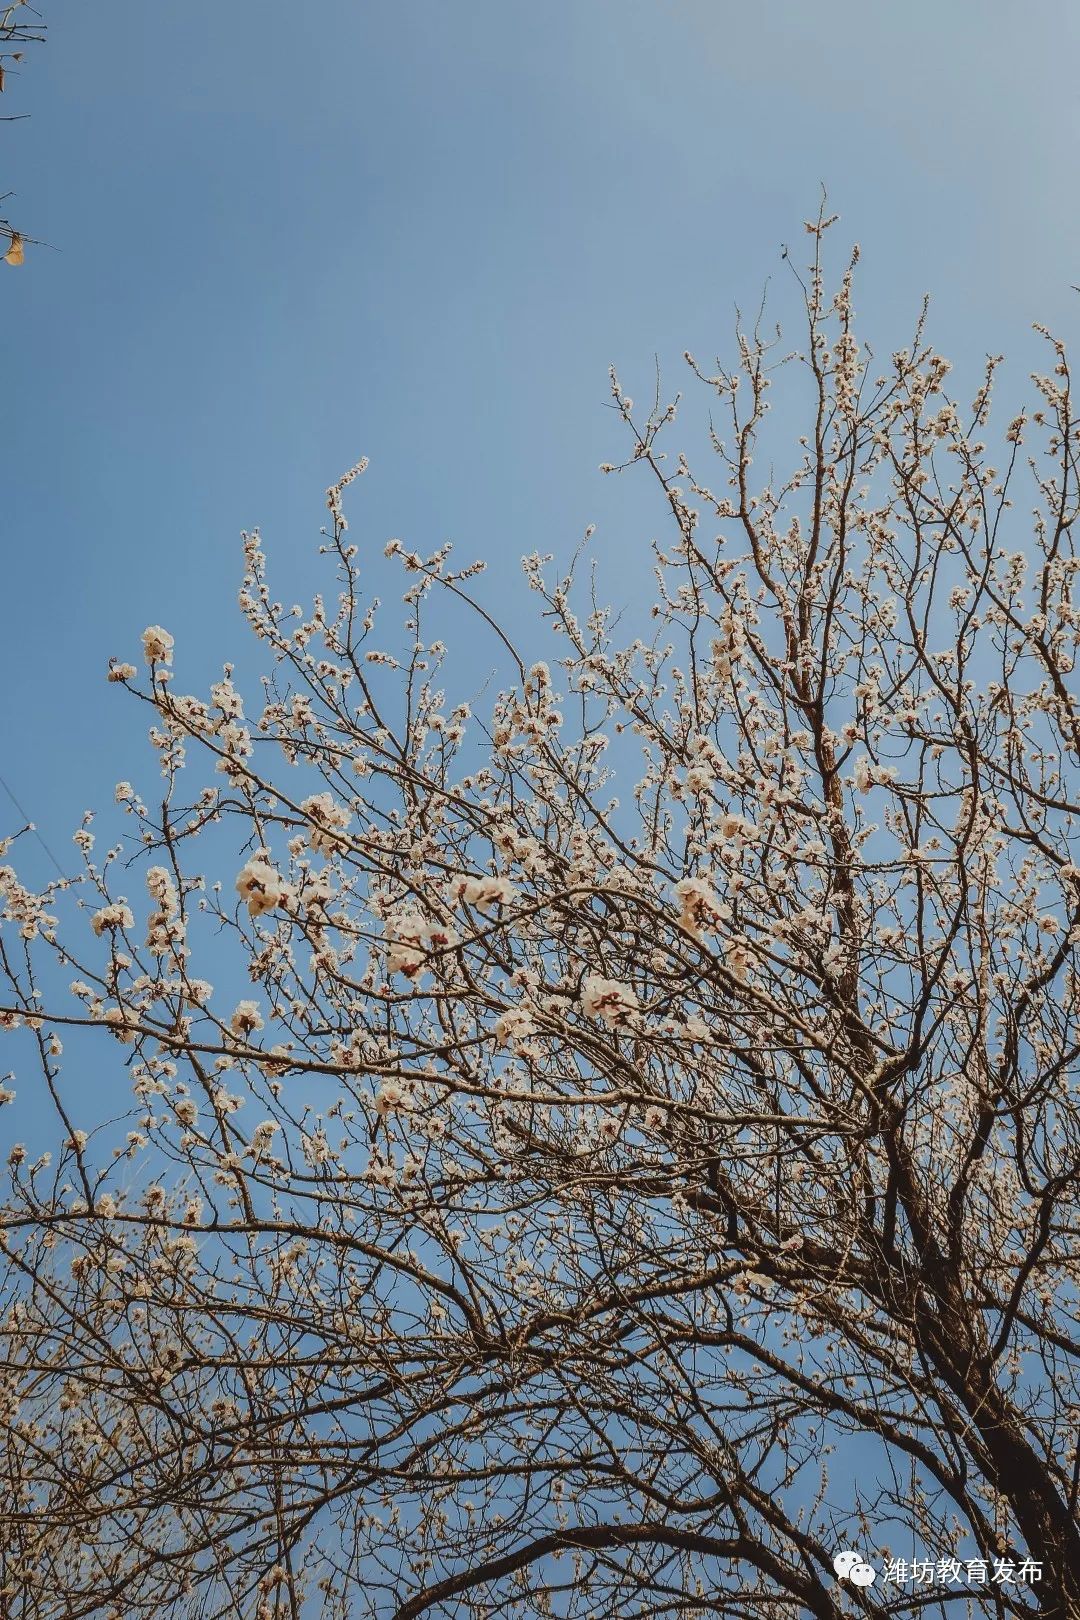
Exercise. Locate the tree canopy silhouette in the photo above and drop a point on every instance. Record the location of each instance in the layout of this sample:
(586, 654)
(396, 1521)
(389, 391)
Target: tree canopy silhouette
(601, 1156)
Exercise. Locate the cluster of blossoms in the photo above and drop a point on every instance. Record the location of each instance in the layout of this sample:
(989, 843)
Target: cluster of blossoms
(613, 1003)
(24, 907)
(117, 916)
(164, 930)
(485, 893)
(514, 1025)
(123, 1023)
(261, 886)
(393, 1098)
(699, 907)
(157, 645)
(327, 823)
(246, 1019)
(412, 939)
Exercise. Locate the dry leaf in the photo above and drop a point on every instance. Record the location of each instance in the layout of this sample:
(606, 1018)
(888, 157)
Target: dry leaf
(15, 253)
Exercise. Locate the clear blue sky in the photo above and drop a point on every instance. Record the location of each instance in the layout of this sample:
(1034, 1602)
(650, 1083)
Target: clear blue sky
(421, 230)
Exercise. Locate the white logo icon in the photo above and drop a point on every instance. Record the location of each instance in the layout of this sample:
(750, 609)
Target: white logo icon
(852, 1566)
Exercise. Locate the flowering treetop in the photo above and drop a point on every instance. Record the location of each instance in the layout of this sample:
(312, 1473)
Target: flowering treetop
(578, 1171)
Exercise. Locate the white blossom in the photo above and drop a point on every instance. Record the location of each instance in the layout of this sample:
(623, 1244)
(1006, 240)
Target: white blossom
(613, 1003)
(157, 645)
(328, 821)
(246, 1019)
(485, 893)
(261, 887)
(116, 915)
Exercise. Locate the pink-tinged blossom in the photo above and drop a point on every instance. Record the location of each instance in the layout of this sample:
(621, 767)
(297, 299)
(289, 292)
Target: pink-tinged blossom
(406, 933)
(261, 887)
(485, 893)
(262, 1137)
(698, 905)
(392, 1098)
(440, 937)
(514, 1025)
(613, 1003)
(246, 1019)
(157, 645)
(122, 1023)
(734, 828)
(116, 915)
(412, 939)
(328, 821)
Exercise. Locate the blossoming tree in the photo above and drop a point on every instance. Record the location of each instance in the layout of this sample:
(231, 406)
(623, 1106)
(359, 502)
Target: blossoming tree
(591, 1208)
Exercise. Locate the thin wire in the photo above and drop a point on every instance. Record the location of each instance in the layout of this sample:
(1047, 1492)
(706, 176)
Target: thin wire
(33, 828)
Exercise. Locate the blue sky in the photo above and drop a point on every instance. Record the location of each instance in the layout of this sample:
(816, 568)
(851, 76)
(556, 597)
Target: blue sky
(289, 235)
